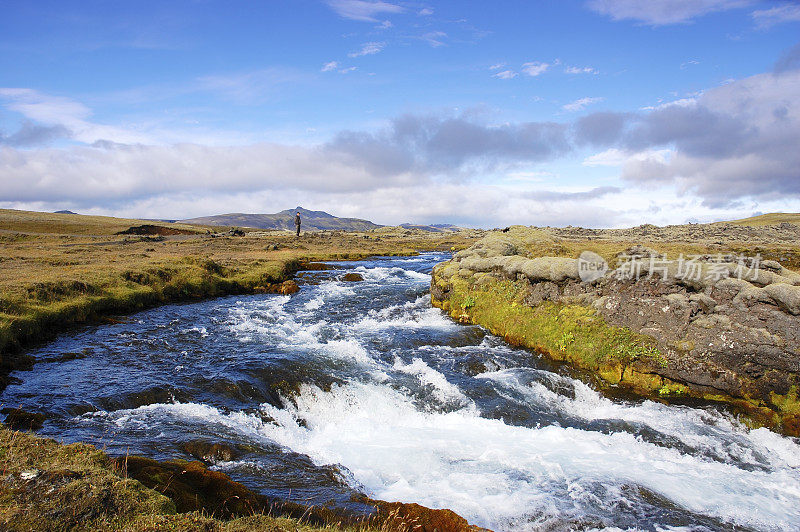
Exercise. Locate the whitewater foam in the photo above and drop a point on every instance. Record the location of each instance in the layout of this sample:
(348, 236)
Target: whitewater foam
(443, 390)
(487, 470)
(492, 473)
(392, 274)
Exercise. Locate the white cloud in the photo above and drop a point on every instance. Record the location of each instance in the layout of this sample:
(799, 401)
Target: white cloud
(72, 115)
(609, 157)
(580, 70)
(434, 38)
(744, 153)
(535, 68)
(687, 64)
(506, 74)
(662, 12)
(682, 102)
(425, 12)
(581, 103)
(746, 147)
(108, 173)
(497, 66)
(363, 10)
(329, 66)
(347, 70)
(618, 157)
(766, 18)
(531, 177)
(44, 107)
(369, 48)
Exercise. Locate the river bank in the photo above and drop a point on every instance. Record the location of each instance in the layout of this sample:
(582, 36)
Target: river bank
(709, 323)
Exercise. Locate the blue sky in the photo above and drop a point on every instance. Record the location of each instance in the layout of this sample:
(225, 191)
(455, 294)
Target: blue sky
(599, 112)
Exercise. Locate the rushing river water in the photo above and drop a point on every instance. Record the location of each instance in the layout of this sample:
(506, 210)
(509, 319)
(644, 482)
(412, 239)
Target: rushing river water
(399, 402)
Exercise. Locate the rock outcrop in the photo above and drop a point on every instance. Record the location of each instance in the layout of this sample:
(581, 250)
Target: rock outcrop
(723, 327)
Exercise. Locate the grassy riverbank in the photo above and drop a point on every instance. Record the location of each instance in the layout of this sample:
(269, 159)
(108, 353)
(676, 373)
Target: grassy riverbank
(48, 486)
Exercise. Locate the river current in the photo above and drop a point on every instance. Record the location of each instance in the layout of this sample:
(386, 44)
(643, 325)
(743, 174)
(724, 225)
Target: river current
(362, 387)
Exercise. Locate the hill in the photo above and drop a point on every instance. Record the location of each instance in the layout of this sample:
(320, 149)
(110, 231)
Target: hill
(433, 228)
(79, 224)
(312, 221)
(773, 218)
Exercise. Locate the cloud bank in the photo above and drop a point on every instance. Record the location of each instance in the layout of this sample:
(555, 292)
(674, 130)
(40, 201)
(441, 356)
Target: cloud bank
(734, 143)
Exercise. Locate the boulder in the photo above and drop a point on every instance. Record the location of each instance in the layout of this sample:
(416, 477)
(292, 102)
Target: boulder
(352, 277)
(556, 269)
(208, 452)
(638, 251)
(19, 419)
(786, 296)
(288, 287)
(492, 245)
(412, 516)
(591, 267)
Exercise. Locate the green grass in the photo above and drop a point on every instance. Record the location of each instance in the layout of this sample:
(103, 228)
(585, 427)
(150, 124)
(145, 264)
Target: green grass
(574, 332)
(56, 304)
(59, 270)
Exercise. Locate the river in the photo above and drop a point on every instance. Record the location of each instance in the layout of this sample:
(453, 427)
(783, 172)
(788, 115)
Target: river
(363, 387)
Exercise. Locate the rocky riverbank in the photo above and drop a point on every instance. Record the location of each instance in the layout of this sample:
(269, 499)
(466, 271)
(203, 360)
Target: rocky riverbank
(718, 326)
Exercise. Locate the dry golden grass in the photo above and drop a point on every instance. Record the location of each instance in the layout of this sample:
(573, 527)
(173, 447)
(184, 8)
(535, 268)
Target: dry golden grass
(773, 218)
(75, 224)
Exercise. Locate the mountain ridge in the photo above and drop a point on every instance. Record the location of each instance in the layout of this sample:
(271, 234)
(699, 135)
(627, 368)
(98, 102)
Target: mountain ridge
(284, 220)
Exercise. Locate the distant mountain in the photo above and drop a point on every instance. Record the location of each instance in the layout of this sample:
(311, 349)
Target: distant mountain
(311, 221)
(433, 228)
(64, 212)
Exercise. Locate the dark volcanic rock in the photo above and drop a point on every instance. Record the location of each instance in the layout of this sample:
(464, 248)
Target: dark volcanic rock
(193, 487)
(19, 419)
(148, 229)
